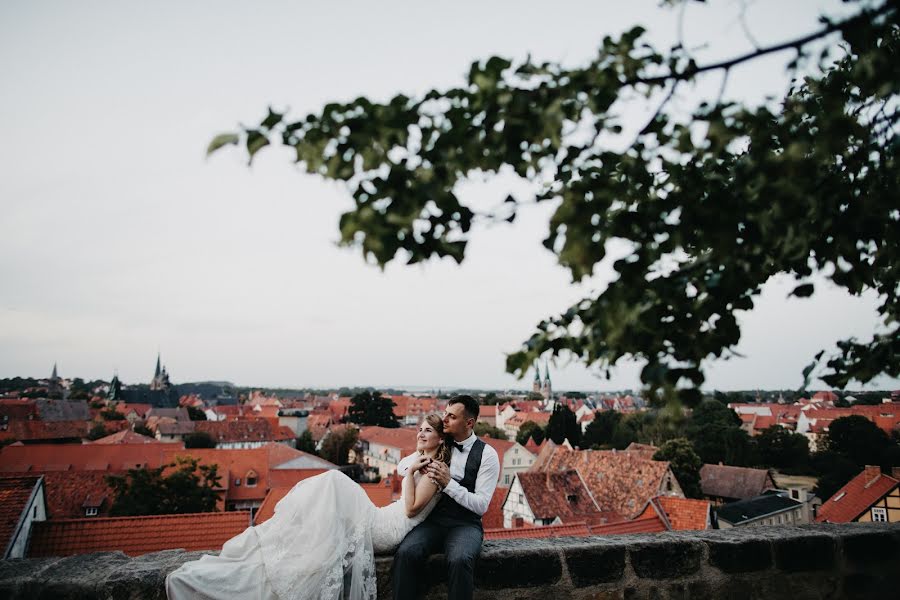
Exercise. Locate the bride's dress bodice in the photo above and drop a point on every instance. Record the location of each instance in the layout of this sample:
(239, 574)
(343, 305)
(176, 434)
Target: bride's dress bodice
(390, 523)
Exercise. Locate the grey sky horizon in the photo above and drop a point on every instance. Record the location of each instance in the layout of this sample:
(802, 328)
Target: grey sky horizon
(119, 239)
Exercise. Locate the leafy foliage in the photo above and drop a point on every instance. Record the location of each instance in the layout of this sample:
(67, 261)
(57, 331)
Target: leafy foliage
(711, 204)
(305, 442)
(199, 439)
(563, 425)
(337, 444)
(482, 429)
(532, 430)
(189, 488)
(97, 431)
(599, 432)
(685, 465)
(369, 408)
(783, 449)
(196, 414)
(859, 439)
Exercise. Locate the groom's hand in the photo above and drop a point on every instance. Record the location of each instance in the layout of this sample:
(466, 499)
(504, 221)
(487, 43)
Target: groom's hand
(439, 472)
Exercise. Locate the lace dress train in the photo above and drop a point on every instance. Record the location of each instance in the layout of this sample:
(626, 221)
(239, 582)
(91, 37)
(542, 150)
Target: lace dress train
(320, 543)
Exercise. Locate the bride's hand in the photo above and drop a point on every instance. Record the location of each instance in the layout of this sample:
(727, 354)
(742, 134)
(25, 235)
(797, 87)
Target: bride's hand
(419, 463)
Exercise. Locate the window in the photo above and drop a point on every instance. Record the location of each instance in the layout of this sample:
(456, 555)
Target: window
(90, 511)
(795, 494)
(506, 479)
(251, 478)
(879, 515)
(237, 481)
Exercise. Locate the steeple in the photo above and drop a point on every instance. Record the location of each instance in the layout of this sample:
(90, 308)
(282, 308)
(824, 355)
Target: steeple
(158, 369)
(536, 386)
(54, 376)
(547, 389)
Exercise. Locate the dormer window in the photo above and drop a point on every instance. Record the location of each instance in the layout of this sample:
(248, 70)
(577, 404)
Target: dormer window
(91, 511)
(572, 498)
(251, 478)
(237, 481)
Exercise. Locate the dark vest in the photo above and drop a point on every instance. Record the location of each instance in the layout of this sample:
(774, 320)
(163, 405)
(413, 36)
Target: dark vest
(448, 511)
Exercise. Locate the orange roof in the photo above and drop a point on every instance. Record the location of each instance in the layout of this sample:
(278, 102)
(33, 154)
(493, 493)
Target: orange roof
(643, 450)
(681, 514)
(414, 406)
(245, 430)
(558, 494)
(140, 409)
(488, 410)
(856, 497)
(317, 424)
(379, 493)
(401, 438)
(118, 457)
(547, 531)
(233, 464)
(67, 491)
(645, 525)
(45, 430)
(493, 517)
(15, 492)
(288, 478)
(136, 535)
(520, 418)
(620, 482)
(126, 436)
(532, 447)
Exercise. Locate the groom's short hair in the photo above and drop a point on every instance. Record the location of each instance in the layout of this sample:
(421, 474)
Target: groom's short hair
(470, 405)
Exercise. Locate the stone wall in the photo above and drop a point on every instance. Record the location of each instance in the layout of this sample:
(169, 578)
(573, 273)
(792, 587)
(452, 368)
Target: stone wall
(796, 563)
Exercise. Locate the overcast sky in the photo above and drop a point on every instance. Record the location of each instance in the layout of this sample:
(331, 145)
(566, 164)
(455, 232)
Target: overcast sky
(119, 239)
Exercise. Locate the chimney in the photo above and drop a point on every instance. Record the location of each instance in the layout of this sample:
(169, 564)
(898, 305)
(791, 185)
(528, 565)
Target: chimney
(872, 473)
(895, 472)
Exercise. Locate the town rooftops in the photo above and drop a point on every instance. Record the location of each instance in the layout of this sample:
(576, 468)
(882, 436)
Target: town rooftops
(680, 514)
(126, 436)
(724, 481)
(401, 438)
(15, 496)
(136, 535)
(559, 494)
(744, 511)
(243, 430)
(849, 502)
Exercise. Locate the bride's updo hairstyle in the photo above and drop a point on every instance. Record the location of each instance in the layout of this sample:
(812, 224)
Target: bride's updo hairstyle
(437, 423)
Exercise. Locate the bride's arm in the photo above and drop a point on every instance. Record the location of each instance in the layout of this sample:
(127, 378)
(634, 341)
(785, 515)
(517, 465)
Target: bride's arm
(416, 495)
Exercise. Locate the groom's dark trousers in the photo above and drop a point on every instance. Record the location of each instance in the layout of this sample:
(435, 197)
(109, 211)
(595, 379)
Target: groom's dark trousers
(450, 528)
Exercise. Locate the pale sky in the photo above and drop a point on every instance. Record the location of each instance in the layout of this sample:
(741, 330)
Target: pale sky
(119, 239)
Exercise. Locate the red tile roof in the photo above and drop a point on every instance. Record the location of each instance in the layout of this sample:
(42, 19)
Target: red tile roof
(725, 481)
(414, 406)
(620, 482)
(493, 517)
(288, 478)
(680, 514)
(378, 493)
(66, 492)
(45, 430)
(318, 425)
(15, 493)
(119, 457)
(558, 494)
(126, 436)
(646, 525)
(501, 446)
(489, 410)
(547, 531)
(856, 497)
(643, 450)
(401, 438)
(532, 447)
(233, 464)
(139, 409)
(245, 430)
(136, 535)
(520, 418)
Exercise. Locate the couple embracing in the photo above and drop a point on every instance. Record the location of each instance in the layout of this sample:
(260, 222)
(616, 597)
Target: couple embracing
(321, 541)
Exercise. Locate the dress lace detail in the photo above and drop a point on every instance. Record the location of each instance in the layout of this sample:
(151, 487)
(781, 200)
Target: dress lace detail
(319, 544)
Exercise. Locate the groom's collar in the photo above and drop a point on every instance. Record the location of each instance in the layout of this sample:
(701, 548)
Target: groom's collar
(467, 443)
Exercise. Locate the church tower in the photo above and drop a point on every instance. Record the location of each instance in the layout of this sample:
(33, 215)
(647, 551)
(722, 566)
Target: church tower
(547, 390)
(160, 376)
(536, 386)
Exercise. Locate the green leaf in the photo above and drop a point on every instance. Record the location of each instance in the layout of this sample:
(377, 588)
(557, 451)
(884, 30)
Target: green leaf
(803, 291)
(223, 139)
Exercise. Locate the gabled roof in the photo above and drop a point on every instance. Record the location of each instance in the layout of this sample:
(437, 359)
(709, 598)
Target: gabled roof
(558, 494)
(119, 457)
(401, 438)
(620, 482)
(66, 492)
(643, 450)
(62, 410)
(245, 430)
(679, 514)
(126, 436)
(15, 496)
(738, 513)
(547, 531)
(725, 481)
(856, 497)
(520, 418)
(493, 517)
(501, 446)
(136, 535)
(45, 430)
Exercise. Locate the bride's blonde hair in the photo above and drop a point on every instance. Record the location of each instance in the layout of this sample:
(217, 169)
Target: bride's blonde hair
(437, 423)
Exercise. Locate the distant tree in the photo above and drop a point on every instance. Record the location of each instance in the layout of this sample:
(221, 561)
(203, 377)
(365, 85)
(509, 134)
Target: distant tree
(196, 414)
(628, 430)
(489, 399)
(534, 396)
(199, 439)
(482, 428)
(530, 430)
(713, 413)
(97, 431)
(143, 430)
(305, 442)
(370, 408)
(189, 488)
(599, 432)
(337, 444)
(575, 395)
(563, 425)
(685, 465)
(717, 443)
(834, 471)
(782, 449)
(111, 414)
(859, 439)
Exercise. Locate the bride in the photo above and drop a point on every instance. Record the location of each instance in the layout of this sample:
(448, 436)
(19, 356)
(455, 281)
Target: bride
(320, 542)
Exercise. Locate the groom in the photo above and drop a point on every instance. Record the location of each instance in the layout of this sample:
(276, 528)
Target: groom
(454, 525)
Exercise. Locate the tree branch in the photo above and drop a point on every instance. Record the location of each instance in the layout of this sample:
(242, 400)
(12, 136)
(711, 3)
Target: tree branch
(797, 43)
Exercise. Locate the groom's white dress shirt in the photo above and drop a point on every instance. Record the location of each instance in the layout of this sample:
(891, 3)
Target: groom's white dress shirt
(485, 483)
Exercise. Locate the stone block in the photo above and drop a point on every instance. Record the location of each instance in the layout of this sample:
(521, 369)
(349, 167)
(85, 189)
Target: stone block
(529, 568)
(667, 560)
(740, 557)
(804, 553)
(591, 565)
(864, 549)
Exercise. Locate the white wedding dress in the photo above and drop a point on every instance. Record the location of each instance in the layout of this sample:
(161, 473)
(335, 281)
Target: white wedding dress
(320, 543)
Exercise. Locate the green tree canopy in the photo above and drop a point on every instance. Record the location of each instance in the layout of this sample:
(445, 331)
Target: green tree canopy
(710, 201)
(685, 465)
(370, 408)
(305, 442)
(782, 448)
(189, 488)
(563, 425)
(599, 432)
(530, 429)
(482, 428)
(337, 444)
(859, 439)
(199, 439)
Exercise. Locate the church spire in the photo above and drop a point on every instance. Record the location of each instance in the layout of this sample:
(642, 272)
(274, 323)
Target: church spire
(536, 386)
(54, 376)
(158, 369)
